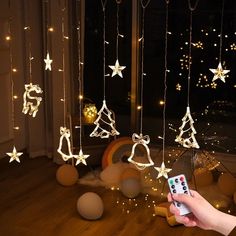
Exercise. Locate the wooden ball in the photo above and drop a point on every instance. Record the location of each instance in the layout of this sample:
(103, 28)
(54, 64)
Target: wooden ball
(90, 206)
(227, 184)
(202, 177)
(67, 175)
(130, 173)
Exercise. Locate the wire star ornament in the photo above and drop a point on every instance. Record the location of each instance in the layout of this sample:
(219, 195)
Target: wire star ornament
(81, 158)
(163, 171)
(48, 62)
(219, 73)
(116, 69)
(14, 155)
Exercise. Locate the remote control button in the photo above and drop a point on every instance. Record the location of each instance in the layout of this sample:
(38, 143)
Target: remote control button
(186, 192)
(184, 188)
(183, 183)
(181, 178)
(171, 182)
(178, 204)
(176, 181)
(172, 186)
(174, 191)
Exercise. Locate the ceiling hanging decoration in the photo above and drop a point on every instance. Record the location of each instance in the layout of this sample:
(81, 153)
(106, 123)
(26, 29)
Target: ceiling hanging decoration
(162, 170)
(117, 69)
(140, 139)
(14, 155)
(187, 133)
(48, 61)
(30, 103)
(64, 131)
(105, 122)
(81, 158)
(219, 72)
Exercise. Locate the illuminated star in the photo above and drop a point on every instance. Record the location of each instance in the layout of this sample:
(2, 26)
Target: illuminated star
(14, 155)
(48, 62)
(219, 73)
(117, 69)
(162, 171)
(81, 158)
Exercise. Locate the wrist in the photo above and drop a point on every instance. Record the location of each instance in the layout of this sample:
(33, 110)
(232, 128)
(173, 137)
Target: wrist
(224, 223)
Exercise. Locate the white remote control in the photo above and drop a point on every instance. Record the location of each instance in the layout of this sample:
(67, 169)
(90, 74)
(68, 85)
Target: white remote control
(178, 184)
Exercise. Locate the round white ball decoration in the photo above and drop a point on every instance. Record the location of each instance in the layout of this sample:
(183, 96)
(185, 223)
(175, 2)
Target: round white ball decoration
(90, 206)
(131, 188)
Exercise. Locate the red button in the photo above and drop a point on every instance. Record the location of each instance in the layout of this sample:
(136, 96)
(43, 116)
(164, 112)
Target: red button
(181, 178)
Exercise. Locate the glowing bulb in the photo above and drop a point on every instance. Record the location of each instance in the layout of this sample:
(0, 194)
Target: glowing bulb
(15, 96)
(139, 107)
(161, 102)
(80, 97)
(50, 29)
(16, 128)
(14, 70)
(8, 38)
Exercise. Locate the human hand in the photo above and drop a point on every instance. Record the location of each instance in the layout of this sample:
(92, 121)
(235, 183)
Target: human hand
(203, 214)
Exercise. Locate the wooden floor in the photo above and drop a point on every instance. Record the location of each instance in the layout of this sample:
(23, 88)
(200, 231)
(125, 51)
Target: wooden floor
(32, 203)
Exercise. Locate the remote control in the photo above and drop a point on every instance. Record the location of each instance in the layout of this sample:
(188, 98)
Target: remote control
(178, 184)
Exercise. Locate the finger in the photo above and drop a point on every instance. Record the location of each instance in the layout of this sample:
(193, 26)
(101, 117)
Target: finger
(174, 210)
(184, 198)
(169, 197)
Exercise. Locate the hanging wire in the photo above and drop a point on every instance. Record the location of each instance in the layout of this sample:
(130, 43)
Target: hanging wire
(104, 47)
(144, 6)
(221, 28)
(191, 9)
(63, 63)
(165, 79)
(117, 26)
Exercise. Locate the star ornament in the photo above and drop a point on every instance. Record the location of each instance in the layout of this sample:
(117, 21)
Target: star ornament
(81, 158)
(162, 171)
(48, 62)
(117, 69)
(219, 73)
(14, 155)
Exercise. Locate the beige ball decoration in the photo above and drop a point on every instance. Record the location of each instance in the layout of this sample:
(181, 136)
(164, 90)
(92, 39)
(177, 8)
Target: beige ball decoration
(130, 173)
(90, 206)
(67, 175)
(130, 188)
(202, 176)
(227, 184)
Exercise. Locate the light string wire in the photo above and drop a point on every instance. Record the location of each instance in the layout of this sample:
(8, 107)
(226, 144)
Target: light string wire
(63, 62)
(144, 6)
(104, 47)
(191, 9)
(165, 79)
(11, 69)
(80, 70)
(27, 28)
(221, 29)
(117, 27)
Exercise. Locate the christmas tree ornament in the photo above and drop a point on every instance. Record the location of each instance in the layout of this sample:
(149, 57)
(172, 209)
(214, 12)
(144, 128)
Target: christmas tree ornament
(144, 141)
(141, 139)
(187, 132)
(14, 155)
(116, 69)
(31, 103)
(105, 122)
(105, 125)
(219, 72)
(186, 136)
(163, 171)
(48, 62)
(65, 134)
